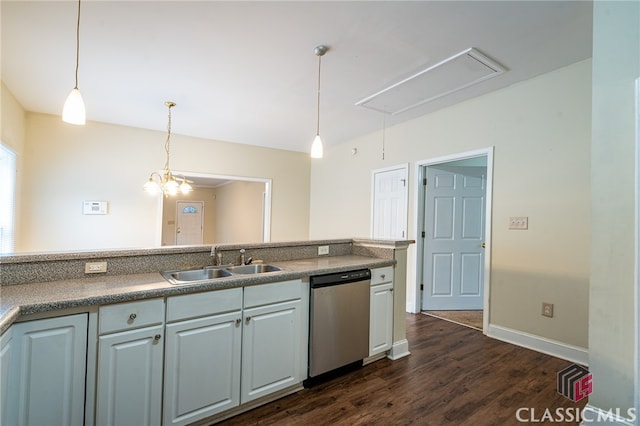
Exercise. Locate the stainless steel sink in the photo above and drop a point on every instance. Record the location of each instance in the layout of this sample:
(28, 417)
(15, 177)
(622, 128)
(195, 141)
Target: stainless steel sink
(212, 272)
(259, 268)
(190, 275)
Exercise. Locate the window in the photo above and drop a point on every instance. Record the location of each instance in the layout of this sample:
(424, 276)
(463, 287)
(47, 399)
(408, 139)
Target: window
(7, 199)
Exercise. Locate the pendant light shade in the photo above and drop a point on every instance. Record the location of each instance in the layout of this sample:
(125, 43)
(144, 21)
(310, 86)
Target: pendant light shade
(316, 146)
(73, 111)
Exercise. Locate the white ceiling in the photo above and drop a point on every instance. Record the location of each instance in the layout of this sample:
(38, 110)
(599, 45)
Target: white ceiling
(245, 71)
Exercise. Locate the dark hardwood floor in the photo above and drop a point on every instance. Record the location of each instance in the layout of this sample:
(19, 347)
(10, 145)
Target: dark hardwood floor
(455, 375)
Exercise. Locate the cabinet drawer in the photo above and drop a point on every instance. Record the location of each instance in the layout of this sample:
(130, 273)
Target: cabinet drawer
(202, 304)
(382, 275)
(127, 316)
(264, 294)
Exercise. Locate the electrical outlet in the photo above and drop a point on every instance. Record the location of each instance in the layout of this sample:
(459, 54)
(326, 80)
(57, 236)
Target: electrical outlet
(519, 222)
(547, 309)
(95, 267)
(323, 250)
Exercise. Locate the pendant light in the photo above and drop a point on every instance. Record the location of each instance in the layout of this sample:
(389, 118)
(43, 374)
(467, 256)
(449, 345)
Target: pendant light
(316, 146)
(73, 111)
(168, 184)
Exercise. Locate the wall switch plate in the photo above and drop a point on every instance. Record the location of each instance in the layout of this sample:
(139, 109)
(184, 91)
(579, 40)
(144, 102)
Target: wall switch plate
(547, 309)
(519, 222)
(323, 250)
(95, 267)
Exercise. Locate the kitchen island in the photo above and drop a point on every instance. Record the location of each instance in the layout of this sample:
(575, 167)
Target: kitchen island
(155, 308)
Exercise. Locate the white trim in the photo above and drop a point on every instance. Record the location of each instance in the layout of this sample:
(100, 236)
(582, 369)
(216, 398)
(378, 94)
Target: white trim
(554, 348)
(598, 416)
(399, 349)
(636, 390)
(488, 152)
(405, 167)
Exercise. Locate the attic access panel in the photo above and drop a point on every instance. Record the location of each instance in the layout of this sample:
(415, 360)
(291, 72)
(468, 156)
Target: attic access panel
(462, 70)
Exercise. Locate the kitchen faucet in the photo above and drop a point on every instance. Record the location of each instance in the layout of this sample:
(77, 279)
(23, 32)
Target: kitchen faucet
(242, 259)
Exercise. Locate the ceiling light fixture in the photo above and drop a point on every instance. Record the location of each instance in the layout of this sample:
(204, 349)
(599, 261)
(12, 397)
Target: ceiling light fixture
(168, 184)
(316, 147)
(73, 111)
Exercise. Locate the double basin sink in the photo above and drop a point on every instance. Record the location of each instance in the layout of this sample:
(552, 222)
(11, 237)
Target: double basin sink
(212, 272)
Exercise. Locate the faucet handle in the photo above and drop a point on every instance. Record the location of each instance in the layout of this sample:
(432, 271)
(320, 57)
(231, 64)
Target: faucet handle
(242, 251)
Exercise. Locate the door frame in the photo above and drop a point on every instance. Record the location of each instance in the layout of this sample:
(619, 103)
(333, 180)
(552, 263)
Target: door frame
(402, 166)
(419, 215)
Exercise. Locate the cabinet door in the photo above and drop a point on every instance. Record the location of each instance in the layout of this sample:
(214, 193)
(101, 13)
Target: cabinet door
(129, 388)
(271, 349)
(202, 367)
(48, 368)
(6, 344)
(381, 319)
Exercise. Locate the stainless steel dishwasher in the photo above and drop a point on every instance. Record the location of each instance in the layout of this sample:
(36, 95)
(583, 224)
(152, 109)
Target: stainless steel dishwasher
(339, 320)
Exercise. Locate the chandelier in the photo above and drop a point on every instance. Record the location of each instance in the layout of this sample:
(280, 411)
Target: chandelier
(167, 183)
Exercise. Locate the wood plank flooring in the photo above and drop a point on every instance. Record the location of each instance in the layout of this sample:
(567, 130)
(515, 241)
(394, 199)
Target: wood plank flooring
(454, 376)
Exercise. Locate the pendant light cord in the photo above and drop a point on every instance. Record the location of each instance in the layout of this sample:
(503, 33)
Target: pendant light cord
(168, 141)
(77, 45)
(318, 121)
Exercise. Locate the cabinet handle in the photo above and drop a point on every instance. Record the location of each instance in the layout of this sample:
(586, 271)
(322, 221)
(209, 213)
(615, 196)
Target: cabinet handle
(238, 322)
(390, 289)
(382, 276)
(132, 317)
(157, 337)
(247, 320)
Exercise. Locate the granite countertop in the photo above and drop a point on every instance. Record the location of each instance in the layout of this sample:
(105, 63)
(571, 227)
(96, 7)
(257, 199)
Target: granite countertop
(25, 299)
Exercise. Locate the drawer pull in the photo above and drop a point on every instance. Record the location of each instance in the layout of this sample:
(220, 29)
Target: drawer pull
(238, 322)
(247, 320)
(132, 317)
(382, 276)
(156, 337)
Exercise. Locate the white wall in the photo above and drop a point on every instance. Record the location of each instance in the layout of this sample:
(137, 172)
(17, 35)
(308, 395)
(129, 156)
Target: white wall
(66, 164)
(541, 133)
(612, 330)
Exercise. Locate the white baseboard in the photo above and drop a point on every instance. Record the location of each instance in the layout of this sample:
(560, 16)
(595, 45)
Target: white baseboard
(531, 341)
(399, 349)
(596, 416)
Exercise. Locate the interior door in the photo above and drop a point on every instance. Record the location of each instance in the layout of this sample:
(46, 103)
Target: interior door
(454, 238)
(389, 216)
(189, 222)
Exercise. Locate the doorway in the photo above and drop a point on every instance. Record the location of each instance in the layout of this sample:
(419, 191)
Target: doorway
(453, 222)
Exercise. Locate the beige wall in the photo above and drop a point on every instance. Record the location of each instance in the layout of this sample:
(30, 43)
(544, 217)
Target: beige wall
(541, 133)
(613, 332)
(66, 164)
(239, 212)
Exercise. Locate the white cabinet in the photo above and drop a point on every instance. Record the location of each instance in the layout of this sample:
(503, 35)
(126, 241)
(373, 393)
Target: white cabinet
(130, 354)
(274, 340)
(6, 344)
(202, 355)
(381, 312)
(47, 372)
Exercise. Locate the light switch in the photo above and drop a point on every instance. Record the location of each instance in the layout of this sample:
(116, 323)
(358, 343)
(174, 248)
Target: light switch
(519, 222)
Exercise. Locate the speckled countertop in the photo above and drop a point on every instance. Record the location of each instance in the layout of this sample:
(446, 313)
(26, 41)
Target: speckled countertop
(33, 298)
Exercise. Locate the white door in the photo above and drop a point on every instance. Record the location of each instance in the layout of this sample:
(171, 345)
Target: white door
(189, 222)
(202, 367)
(454, 238)
(129, 389)
(48, 370)
(389, 212)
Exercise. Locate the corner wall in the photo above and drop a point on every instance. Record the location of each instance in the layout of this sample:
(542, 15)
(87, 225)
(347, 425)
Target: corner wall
(541, 132)
(613, 333)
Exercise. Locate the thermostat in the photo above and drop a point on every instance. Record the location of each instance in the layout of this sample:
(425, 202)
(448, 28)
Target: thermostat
(94, 207)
